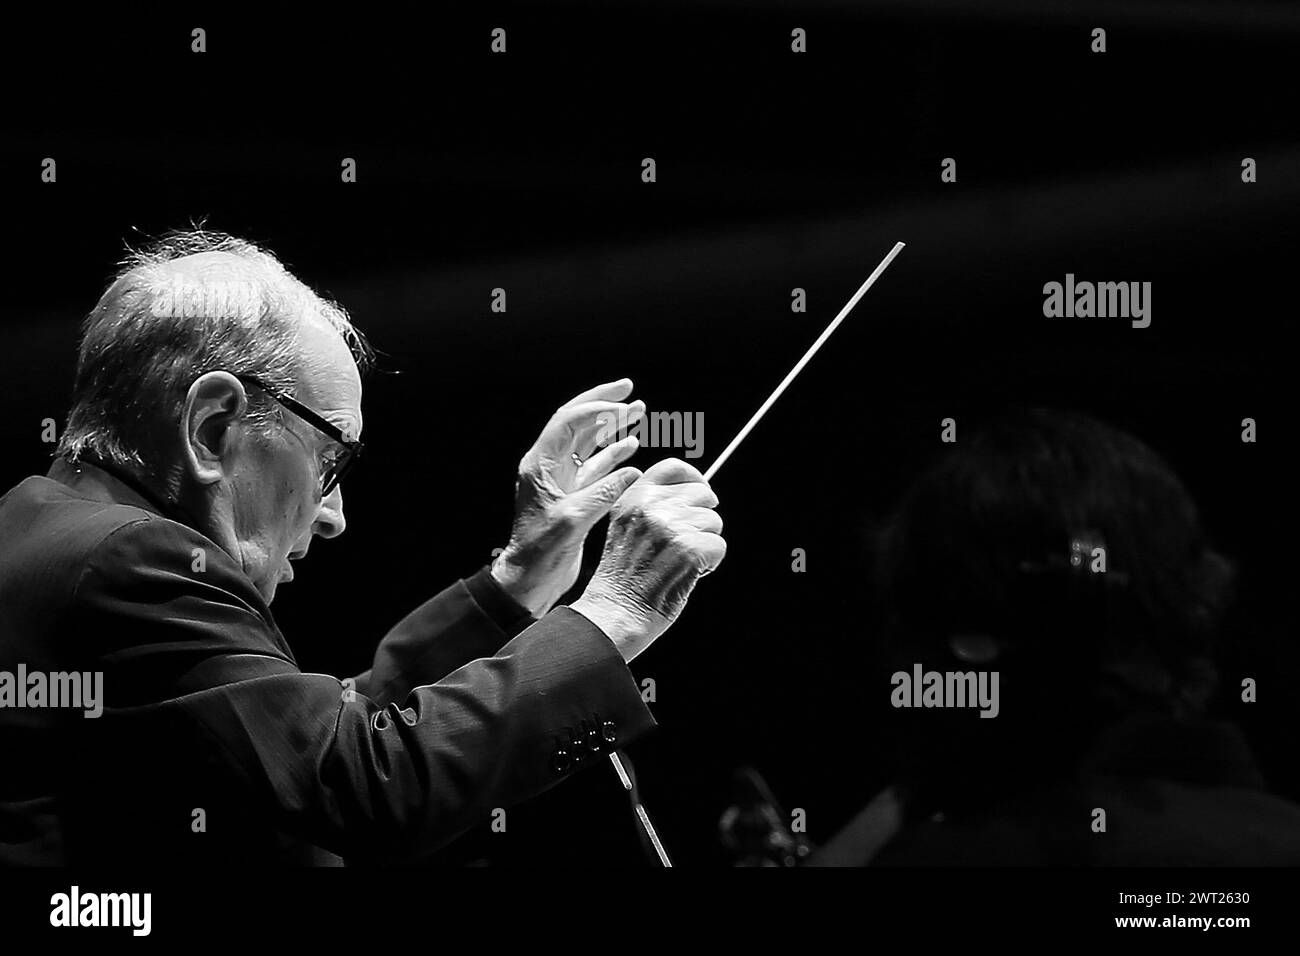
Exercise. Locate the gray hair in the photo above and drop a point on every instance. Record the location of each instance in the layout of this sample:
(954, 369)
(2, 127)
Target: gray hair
(155, 330)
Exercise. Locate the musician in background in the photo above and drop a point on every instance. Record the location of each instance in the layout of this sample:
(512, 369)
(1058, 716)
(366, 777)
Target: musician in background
(1101, 752)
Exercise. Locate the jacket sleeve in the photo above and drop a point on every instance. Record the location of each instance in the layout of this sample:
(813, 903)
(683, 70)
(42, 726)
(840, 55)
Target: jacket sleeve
(469, 620)
(193, 659)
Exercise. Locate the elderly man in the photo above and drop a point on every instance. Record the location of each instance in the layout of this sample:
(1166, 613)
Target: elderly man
(216, 408)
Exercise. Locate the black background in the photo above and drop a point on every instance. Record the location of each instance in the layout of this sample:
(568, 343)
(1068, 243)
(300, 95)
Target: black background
(775, 170)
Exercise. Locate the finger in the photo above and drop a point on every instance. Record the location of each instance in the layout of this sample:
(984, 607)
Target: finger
(580, 428)
(694, 493)
(701, 519)
(671, 471)
(709, 549)
(609, 392)
(608, 428)
(593, 503)
(602, 463)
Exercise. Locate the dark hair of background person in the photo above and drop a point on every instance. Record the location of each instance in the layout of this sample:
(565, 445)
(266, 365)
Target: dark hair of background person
(981, 544)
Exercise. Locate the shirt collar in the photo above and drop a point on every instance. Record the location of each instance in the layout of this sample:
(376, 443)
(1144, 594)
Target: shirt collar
(100, 480)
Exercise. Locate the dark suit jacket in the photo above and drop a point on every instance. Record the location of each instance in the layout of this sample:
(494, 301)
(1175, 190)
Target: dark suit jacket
(470, 704)
(1175, 792)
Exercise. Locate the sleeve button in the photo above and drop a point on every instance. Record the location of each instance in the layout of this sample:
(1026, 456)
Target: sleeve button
(561, 761)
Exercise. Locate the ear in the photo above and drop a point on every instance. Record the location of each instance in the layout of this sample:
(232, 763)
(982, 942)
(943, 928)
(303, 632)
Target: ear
(975, 648)
(213, 404)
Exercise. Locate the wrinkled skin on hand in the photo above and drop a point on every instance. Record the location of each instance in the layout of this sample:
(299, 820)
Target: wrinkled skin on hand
(558, 501)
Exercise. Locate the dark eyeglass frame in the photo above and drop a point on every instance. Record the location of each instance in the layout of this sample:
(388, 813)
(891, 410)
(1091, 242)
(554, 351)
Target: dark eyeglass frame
(338, 467)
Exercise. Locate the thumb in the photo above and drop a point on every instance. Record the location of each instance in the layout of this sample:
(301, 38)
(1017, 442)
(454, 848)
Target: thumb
(595, 501)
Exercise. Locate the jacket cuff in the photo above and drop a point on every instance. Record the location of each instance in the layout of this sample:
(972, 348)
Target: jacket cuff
(610, 712)
(503, 610)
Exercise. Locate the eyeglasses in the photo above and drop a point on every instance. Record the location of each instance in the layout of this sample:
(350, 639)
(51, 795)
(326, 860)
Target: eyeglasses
(338, 466)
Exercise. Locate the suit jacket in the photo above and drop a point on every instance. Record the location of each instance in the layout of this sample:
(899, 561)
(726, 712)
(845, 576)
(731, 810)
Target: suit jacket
(214, 747)
(1175, 792)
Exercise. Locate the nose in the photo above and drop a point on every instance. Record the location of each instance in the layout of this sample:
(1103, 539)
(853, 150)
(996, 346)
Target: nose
(329, 521)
